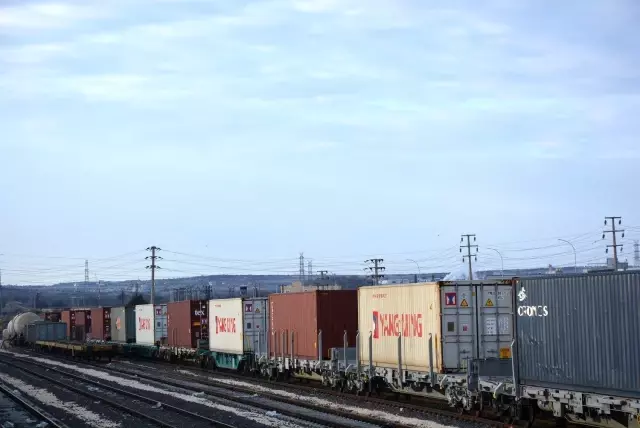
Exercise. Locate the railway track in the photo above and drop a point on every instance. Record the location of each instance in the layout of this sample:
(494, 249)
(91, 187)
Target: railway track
(296, 411)
(438, 409)
(425, 406)
(123, 400)
(37, 412)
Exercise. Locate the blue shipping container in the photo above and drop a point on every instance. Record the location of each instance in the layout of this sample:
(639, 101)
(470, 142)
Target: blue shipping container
(46, 331)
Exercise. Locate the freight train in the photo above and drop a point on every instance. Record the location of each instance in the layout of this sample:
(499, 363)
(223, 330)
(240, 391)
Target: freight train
(563, 345)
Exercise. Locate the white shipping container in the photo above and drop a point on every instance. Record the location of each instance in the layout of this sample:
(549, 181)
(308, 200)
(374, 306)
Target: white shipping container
(238, 325)
(161, 330)
(403, 316)
(145, 324)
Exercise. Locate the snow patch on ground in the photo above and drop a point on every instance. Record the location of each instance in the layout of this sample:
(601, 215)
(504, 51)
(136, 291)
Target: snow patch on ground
(383, 416)
(47, 398)
(253, 416)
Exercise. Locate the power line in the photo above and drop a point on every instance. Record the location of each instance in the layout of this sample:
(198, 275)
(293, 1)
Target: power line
(375, 269)
(469, 246)
(153, 268)
(613, 233)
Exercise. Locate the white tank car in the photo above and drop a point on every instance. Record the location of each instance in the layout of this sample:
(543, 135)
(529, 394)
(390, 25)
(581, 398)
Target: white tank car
(10, 328)
(20, 322)
(5, 334)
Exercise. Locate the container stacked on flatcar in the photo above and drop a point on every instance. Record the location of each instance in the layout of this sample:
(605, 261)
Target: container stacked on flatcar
(237, 331)
(161, 332)
(577, 345)
(81, 324)
(187, 323)
(101, 324)
(123, 324)
(299, 318)
(422, 334)
(145, 324)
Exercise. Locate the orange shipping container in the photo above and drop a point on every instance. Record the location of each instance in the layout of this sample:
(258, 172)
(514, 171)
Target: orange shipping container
(304, 314)
(465, 319)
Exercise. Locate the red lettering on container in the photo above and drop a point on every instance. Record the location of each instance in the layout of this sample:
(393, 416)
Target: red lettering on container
(144, 323)
(387, 325)
(225, 325)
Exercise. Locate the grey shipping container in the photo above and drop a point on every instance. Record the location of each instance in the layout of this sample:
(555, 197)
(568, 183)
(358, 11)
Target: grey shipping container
(579, 333)
(123, 324)
(45, 330)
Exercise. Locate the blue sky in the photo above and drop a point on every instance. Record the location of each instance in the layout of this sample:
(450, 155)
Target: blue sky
(246, 131)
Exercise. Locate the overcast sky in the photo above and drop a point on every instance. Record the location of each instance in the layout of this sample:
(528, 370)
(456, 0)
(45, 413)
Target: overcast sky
(247, 131)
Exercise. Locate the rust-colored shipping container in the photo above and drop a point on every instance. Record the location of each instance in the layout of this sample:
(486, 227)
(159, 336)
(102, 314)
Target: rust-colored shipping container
(187, 323)
(101, 323)
(81, 325)
(69, 320)
(304, 314)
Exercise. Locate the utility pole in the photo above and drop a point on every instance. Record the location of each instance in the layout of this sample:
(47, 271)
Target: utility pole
(469, 246)
(122, 296)
(613, 232)
(310, 271)
(636, 257)
(375, 268)
(153, 268)
(302, 268)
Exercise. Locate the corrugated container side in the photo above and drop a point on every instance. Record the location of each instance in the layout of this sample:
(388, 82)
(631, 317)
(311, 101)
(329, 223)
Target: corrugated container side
(161, 333)
(337, 312)
(580, 333)
(476, 321)
(145, 334)
(226, 325)
(238, 325)
(66, 318)
(79, 333)
(101, 323)
(123, 324)
(46, 331)
(386, 311)
(187, 323)
(304, 314)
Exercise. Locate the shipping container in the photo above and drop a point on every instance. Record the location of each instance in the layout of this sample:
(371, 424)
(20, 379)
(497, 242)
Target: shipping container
(123, 324)
(458, 320)
(579, 333)
(187, 323)
(161, 333)
(238, 325)
(145, 315)
(303, 315)
(101, 324)
(78, 333)
(66, 318)
(46, 330)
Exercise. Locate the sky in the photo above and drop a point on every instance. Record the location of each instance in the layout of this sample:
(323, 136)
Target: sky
(236, 134)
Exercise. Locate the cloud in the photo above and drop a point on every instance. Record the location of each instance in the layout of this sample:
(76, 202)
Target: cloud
(36, 16)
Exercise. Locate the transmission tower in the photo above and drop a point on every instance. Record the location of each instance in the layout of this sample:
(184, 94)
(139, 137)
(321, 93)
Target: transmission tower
(153, 268)
(86, 273)
(469, 246)
(636, 253)
(302, 268)
(613, 233)
(310, 271)
(375, 269)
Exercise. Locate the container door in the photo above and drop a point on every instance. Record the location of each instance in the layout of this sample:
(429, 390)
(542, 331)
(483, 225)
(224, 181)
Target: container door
(457, 302)
(495, 326)
(255, 325)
